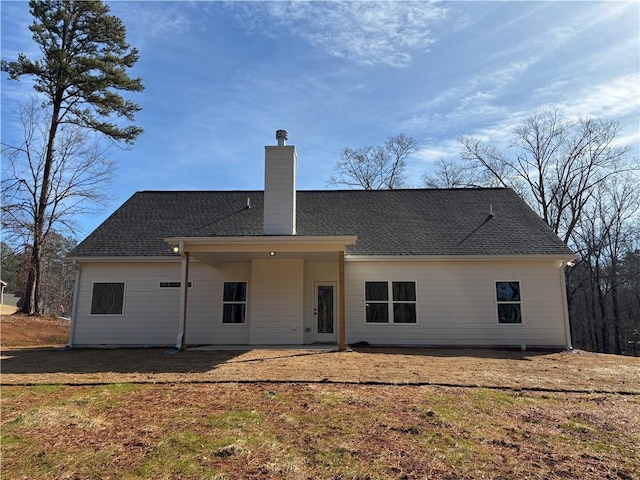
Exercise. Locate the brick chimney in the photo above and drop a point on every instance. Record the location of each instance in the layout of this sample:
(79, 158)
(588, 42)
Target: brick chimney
(280, 187)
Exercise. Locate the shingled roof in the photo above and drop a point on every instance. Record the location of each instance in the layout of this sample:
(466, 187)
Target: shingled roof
(387, 222)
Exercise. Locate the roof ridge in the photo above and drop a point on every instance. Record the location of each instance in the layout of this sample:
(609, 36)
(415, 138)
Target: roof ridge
(346, 190)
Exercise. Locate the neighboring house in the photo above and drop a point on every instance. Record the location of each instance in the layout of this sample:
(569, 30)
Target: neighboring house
(285, 267)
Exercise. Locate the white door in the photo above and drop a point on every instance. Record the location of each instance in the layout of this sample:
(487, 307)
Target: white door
(324, 313)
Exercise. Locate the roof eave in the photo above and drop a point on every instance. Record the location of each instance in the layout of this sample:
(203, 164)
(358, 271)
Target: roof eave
(290, 243)
(461, 258)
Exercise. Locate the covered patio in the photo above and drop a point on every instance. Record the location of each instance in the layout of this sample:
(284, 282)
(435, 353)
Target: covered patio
(295, 295)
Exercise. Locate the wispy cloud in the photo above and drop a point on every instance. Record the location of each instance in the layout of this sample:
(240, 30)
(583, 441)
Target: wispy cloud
(145, 24)
(369, 33)
(616, 98)
(474, 100)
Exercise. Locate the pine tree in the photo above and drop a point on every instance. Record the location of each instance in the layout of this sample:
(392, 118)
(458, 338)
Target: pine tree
(84, 66)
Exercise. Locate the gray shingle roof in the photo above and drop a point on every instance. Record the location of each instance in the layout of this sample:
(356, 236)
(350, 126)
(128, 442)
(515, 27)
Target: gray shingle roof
(387, 222)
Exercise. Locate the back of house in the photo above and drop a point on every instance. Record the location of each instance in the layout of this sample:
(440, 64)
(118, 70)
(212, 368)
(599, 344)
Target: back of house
(464, 267)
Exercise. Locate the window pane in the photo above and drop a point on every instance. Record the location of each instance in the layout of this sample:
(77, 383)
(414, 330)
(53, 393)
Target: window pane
(404, 313)
(404, 291)
(235, 292)
(509, 313)
(107, 299)
(376, 291)
(508, 291)
(378, 312)
(233, 313)
(325, 309)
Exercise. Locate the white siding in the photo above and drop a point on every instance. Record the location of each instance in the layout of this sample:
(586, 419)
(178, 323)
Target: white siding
(151, 314)
(280, 191)
(457, 303)
(204, 314)
(276, 301)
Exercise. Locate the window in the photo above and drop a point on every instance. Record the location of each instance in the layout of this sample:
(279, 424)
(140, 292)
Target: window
(377, 302)
(508, 299)
(107, 299)
(173, 284)
(234, 302)
(401, 308)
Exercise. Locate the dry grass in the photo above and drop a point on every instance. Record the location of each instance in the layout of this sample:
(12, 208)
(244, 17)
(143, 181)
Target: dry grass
(292, 414)
(17, 329)
(303, 431)
(7, 309)
(563, 371)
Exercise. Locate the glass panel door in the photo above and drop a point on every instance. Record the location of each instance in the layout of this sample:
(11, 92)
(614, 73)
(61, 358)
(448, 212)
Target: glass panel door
(324, 313)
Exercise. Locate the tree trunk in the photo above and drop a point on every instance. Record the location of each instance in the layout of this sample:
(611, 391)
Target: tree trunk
(617, 321)
(596, 345)
(32, 299)
(604, 327)
(28, 298)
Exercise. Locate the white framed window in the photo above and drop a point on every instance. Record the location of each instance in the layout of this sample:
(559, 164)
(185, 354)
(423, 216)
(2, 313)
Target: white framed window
(107, 298)
(509, 302)
(390, 302)
(173, 284)
(234, 303)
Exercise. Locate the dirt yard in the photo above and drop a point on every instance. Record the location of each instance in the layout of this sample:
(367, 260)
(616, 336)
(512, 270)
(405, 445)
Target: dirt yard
(23, 330)
(300, 414)
(575, 371)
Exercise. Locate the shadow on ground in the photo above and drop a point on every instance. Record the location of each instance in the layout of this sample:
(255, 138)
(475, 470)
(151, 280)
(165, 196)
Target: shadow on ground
(503, 353)
(135, 360)
(163, 360)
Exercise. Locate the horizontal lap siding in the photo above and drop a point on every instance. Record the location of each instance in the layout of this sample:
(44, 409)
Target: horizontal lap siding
(204, 315)
(276, 301)
(457, 306)
(151, 314)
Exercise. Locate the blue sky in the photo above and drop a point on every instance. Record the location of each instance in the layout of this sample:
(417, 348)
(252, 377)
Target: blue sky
(221, 77)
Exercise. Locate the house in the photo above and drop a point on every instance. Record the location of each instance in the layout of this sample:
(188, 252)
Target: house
(466, 267)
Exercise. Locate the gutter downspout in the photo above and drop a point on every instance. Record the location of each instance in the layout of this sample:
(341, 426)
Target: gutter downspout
(74, 307)
(184, 290)
(565, 307)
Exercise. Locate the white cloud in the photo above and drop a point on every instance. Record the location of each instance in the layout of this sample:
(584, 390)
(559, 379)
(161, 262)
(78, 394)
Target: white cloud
(147, 21)
(616, 98)
(370, 33)
(474, 101)
(434, 150)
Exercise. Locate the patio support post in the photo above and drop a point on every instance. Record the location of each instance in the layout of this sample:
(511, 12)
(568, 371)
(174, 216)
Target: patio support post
(184, 290)
(342, 341)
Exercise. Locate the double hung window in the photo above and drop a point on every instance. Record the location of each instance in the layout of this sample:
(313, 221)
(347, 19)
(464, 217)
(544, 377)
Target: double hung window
(390, 302)
(234, 302)
(509, 302)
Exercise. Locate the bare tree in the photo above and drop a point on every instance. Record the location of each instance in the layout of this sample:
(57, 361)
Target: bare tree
(78, 176)
(584, 184)
(375, 167)
(555, 164)
(453, 174)
(606, 235)
(57, 276)
(82, 70)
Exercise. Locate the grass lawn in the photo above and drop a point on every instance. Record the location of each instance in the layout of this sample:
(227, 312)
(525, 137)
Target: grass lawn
(369, 414)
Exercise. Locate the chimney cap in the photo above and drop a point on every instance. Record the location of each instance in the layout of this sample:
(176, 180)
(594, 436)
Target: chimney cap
(282, 136)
